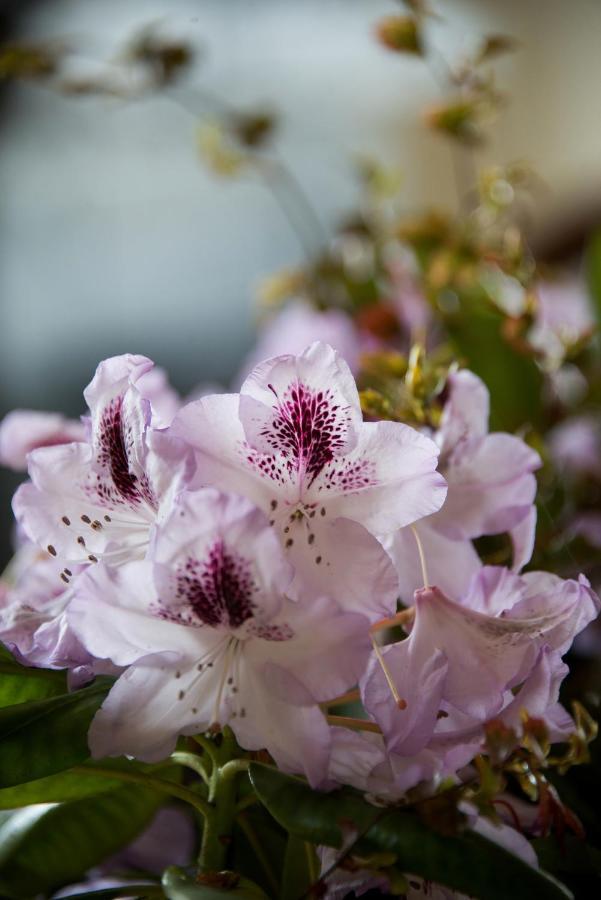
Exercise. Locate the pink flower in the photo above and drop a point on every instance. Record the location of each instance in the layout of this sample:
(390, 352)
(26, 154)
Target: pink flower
(575, 446)
(297, 326)
(294, 442)
(564, 317)
(99, 498)
(491, 489)
(95, 498)
(24, 430)
(209, 636)
(465, 659)
(32, 613)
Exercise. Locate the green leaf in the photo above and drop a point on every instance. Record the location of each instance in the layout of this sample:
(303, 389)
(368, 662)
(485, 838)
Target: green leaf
(570, 855)
(272, 838)
(5, 653)
(138, 891)
(296, 879)
(20, 684)
(463, 862)
(514, 380)
(178, 885)
(66, 786)
(45, 847)
(47, 736)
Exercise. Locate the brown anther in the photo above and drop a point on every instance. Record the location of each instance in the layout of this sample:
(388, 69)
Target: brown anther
(322, 511)
(66, 520)
(274, 504)
(178, 674)
(51, 550)
(96, 525)
(318, 559)
(86, 519)
(64, 578)
(181, 695)
(402, 704)
(107, 519)
(289, 542)
(68, 572)
(286, 529)
(311, 538)
(92, 558)
(81, 540)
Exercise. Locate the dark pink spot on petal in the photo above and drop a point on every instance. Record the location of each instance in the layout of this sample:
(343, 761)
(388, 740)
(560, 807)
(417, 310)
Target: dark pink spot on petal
(308, 429)
(216, 591)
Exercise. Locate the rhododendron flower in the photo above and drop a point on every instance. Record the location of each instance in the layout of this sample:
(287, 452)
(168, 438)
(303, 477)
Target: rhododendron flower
(491, 489)
(24, 430)
(563, 317)
(575, 446)
(32, 612)
(98, 499)
(362, 759)
(294, 442)
(210, 637)
(297, 326)
(465, 659)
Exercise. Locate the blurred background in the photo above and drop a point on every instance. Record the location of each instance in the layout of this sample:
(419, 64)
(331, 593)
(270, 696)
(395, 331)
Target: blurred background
(115, 237)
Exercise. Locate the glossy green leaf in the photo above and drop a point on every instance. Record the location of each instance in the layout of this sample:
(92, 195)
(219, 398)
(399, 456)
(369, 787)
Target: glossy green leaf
(20, 684)
(272, 839)
(179, 885)
(66, 786)
(47, 736)
(44, 847)
(138, 891)
(463, 862)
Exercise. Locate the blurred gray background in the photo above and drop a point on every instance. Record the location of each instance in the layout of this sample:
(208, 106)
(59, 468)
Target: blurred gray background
(114, 237)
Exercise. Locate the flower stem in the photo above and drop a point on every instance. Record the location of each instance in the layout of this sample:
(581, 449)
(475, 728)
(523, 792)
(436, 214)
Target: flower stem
(216, 836)
(191, 761)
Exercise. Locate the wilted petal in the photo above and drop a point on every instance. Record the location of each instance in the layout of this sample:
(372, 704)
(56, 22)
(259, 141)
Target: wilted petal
(570, 604)
(418, 671)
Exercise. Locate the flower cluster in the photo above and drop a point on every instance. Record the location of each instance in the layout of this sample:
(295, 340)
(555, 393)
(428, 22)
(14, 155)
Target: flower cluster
(233, 562)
